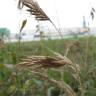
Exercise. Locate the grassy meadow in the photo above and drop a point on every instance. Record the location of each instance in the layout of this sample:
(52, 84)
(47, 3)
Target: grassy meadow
(79, 79)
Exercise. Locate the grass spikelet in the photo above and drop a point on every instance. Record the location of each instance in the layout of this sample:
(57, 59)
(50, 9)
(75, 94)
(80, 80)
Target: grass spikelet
(44, 61)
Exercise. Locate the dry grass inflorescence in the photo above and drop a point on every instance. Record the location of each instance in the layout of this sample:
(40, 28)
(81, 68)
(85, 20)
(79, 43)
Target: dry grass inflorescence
(39, 66)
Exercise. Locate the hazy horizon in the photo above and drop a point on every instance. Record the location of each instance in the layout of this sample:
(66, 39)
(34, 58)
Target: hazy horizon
(64, 13)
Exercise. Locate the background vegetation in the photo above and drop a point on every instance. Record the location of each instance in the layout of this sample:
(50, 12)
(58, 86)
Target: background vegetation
(26, 83)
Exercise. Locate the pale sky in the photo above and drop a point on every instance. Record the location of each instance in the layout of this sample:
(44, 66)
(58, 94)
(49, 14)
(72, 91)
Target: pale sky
(64, 13)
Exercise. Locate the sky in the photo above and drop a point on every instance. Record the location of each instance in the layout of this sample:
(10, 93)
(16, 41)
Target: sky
(64, 14)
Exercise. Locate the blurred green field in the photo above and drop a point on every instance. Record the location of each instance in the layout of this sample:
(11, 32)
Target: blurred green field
(81, 51)
(11, 53)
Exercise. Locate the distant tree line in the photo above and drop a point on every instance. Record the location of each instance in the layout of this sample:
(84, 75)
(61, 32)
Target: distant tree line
(4, 33)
